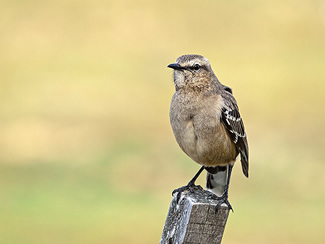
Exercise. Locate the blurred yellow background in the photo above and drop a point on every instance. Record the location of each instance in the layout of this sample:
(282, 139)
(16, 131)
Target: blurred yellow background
(87, 152)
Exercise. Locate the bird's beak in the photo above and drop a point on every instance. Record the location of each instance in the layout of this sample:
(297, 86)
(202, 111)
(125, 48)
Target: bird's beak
(175, 66)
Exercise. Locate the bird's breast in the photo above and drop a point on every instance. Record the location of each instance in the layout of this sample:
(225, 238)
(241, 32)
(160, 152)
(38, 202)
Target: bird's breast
(199, 133)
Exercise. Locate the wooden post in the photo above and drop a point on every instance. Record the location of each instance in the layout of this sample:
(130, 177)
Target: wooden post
(193, 220)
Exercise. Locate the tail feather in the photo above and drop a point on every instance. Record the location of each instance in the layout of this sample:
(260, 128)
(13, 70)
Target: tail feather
(244, 158)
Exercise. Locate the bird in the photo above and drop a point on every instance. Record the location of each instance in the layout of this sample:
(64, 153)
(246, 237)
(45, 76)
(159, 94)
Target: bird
(207, 125)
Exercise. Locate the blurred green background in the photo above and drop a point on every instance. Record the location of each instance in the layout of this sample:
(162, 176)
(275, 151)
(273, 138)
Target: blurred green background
(87, 152)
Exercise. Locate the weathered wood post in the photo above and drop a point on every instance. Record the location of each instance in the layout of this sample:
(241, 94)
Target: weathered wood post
(193, 220)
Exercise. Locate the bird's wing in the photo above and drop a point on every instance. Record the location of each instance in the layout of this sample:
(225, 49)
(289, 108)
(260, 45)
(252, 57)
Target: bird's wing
(232, 121)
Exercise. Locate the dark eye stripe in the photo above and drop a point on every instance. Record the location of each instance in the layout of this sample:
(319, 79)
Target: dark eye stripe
(195, 68)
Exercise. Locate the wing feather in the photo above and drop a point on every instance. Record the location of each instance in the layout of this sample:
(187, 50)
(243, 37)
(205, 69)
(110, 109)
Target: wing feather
(233, 122)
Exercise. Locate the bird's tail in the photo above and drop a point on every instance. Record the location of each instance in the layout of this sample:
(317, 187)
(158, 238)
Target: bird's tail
(217, 180)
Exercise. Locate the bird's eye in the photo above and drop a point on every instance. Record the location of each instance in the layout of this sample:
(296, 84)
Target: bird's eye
(196, 66)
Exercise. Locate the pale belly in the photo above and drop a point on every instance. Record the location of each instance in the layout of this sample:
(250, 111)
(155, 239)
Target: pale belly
(199, 132)
(209, 146)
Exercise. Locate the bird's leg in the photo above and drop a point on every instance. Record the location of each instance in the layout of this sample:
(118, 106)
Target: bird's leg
(190, 186)
(224, 196)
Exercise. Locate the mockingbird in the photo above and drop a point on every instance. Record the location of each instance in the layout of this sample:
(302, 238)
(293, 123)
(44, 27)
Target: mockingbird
(207, 125)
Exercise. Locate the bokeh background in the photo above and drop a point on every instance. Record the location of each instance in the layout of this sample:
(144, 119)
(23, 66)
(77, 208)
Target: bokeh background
(87, 154)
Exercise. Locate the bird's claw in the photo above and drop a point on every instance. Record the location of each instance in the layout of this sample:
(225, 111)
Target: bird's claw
(189, 187)
(221, 200)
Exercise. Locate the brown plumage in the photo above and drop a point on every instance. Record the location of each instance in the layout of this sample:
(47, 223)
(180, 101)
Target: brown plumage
(206, 122)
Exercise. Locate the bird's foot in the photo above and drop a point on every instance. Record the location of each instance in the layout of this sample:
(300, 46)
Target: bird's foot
(221, 200)
(189, 187)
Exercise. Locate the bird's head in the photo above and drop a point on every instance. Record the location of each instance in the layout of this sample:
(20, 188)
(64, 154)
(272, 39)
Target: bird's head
(193, 71)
